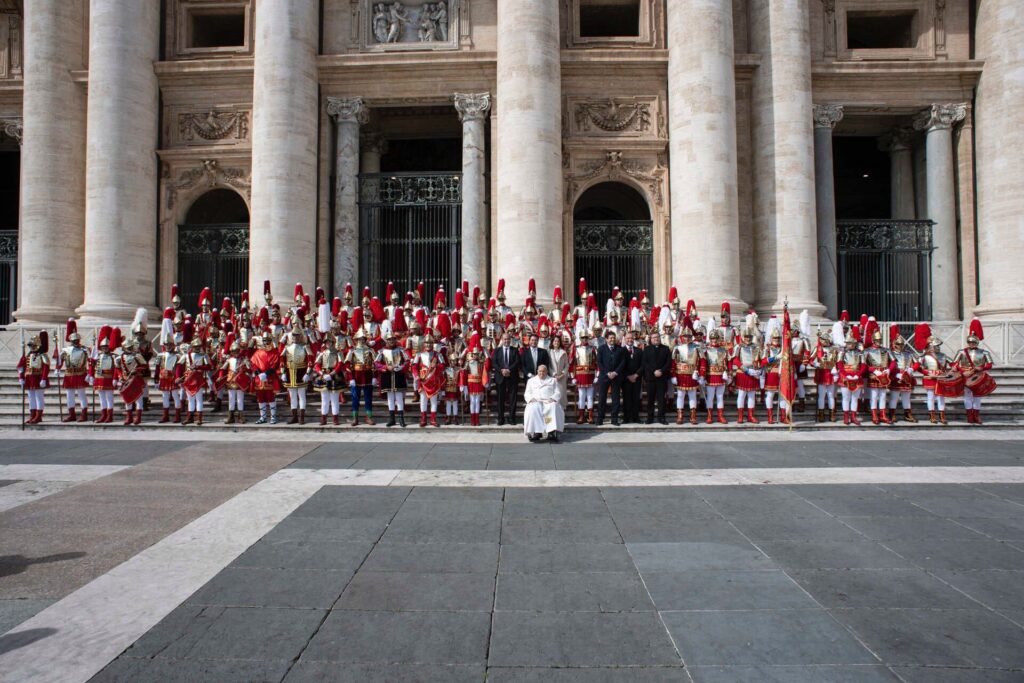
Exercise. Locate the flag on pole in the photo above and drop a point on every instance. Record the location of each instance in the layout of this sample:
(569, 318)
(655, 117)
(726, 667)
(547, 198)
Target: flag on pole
(787, 379)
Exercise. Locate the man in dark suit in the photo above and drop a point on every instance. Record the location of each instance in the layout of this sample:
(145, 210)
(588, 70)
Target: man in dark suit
(533, 357)
(657, 366)
(632, 380)
(505, 367)
(611, 362)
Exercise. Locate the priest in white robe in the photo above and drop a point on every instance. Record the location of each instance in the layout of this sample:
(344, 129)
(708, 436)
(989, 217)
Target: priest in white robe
(544, 413)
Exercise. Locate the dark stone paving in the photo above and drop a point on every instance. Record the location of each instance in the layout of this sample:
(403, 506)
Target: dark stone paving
(797, 584)
(84, 452)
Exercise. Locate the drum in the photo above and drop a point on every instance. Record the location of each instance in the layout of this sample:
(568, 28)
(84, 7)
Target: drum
(950, 385)
(131, 391)
(852, 384)
(882, 382)
(980, 384)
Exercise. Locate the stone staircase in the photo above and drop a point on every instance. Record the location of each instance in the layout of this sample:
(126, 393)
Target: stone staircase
(1005, 407)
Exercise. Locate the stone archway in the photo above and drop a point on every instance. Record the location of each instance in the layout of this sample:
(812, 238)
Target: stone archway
(213, 247)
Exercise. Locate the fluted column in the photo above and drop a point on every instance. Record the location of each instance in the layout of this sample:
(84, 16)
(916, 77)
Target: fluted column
(121, 164)
(826, 116)
(348, 113)
(282, 232)
(472, 112)
(702, 142)
(938, 122)
(783, 140)
(898, 143)
(52, 224)
(999, 139)
(529, 146)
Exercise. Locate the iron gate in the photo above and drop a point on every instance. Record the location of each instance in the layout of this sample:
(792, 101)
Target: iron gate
(885, 268)
(8, 275)
(410, 230)
(214, 256)
(614, 254)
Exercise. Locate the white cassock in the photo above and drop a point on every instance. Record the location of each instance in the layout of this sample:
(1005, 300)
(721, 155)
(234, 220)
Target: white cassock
(543, 412)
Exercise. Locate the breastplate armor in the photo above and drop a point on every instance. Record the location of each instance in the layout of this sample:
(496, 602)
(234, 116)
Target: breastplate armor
(829, 358)
(717, 359)
(360, 359)
(934, 363)
(130, 363)
(475, 370)
(105, 364)
(76, 360)
(391, 357)
(904, 359)
(852, 359)
(328, 359)
(195, 361)
(585, 357)
(416, 342)
(977, 356)
(749, 356)
(34, 364)
(686, 358)
(167, 362)
(876, 358)
(296, 355)
(234, 366)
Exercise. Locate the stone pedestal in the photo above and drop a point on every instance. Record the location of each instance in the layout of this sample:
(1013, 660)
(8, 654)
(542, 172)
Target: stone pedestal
(826, 116)
(121, 163)
(51, 253)
(473, 112)
(783, 139)
(999, 135)
(529, 147)
(702, 139)
(282, 232)
(938, 121)
(348, 114)
(899, 145)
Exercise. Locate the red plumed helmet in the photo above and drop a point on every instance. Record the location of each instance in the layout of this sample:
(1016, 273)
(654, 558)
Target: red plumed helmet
(474, 342)
(591, 302)
(398, 323)
(377, 310)
(501, 287)
(226, 305)
(104, 334)
(115, 338)
(566, 310)
(175, 292)
(439, 298)
(460, 299)
(335, 307)
(921, 334)
(510, 319)
(443, 327)
(465, 288)
(244, 301)
(691, 308)
(975, 329)
(320, 296)
(306, 302)
(366, 293)
(72, 327)
(870, 327)
(215, 318)
(421, 291)
(266, 289)
(348, 289)
(421, 318)
(298, 291)
(726, 308)
(357, 318)
(456, 318)
(205, 297)
(44, 341)
(863, 319)
(673, 294)
(615, 292)
(531, 288)
(477, 322)
(343, 319)
(389, 289)
(492, 304)
(844, 316)
(581, 288)
(476, 295)
(894, 331)
(557, 295)
(655, 315)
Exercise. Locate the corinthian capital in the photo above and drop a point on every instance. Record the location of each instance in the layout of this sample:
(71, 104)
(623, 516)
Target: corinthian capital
(827, 115)
(11, 128)
(897, 140)
(343, 109)
(472, 107)
(941, 116)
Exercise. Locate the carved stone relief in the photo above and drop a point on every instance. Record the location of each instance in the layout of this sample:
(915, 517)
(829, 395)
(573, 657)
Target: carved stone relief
(408, 24)
(649, 173)
(10, 44)
(11, 128)
(208, 174)
(620, 117)
(214, 125)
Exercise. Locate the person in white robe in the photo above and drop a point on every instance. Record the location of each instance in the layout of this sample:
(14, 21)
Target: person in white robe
(544, 413)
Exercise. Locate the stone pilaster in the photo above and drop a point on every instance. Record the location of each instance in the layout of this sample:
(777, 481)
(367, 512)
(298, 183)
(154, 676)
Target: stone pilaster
(702, 138)
(999, 139)
(937, 122)
(348, 113)
(529, 147)
(121, 164)
(826, 116)
(899, 144)
(783, 139)
(472, 109)
(282, 233)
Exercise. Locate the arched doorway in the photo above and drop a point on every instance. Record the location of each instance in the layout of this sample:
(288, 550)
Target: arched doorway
(213, 248)
(613, 240)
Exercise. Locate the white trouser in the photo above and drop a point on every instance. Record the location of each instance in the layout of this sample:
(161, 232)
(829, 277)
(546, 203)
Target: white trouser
(475, 400)
(264, 409)
(424, 400)
(236, 399)
(36, 400)
(769, 399)
(714, 397)
(971, 402)
(682, 394)
(297, 398)
(877, 398)
(396, 400)
(935, 402)
(195, 403)
(850, 399)
(451, 407)
(330, 402)
(585, 398)
(745, 399)
(83, 398)
(168, 395)
(903, 397)
(827, 392)
(134, 406)
(801, 391)
(106, 399)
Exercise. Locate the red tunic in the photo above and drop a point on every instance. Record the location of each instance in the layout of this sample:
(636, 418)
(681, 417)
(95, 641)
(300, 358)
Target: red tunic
(35, 371)
(266, 361)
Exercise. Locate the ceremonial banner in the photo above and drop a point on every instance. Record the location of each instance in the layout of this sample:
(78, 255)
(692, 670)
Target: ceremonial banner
(787, 377)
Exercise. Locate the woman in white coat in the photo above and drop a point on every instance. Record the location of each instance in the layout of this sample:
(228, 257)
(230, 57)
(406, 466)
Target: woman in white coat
(559, 365)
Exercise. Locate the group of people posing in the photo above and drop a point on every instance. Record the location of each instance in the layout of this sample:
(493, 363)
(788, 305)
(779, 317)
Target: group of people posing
(451, 356)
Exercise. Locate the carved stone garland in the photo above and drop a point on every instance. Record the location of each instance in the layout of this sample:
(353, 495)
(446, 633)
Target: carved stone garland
(208, 174)
(214, 125)
(612, 116)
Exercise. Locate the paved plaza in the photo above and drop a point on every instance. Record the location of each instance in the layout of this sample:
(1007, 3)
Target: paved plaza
(606, 558)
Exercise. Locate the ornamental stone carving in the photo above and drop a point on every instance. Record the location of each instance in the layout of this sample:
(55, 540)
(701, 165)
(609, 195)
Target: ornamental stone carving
(613, 167)
(941, 116)
(897, 140)
(613, 116)
(827, 115)
(10, 43)
(472, 107)
(213, 125)
(347, 109)
(11, 128)
(209, 173)
(409, 22)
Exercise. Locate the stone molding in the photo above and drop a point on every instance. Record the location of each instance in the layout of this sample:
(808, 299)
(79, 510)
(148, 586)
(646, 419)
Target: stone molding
(347, 109)
(612, 167)
(941, 116)
(472, 107)
(827, 115)
(12, 128)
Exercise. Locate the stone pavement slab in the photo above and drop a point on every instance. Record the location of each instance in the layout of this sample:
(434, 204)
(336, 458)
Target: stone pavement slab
(419, 591)
(726, 590)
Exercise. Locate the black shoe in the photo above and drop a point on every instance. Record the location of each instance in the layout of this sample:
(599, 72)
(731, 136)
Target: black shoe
(615, 423)
(650, 421)
(599, 423)
(501, 423)
(553, 437)
(663, 420)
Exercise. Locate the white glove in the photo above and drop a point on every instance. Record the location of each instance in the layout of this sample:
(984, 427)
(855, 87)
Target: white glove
(701, 381)
(751, 372)
(802, 367)
(725, 376)
(22, 383)
(851, 377)
(263, 377)
(696, 376)
(88, 380)
(674, 382)
(878, 373)
(352, 383)
(835, 373)
(307, 377)
(374, 381)
(43, 384)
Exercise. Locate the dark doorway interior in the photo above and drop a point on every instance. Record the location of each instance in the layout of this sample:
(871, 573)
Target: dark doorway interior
(10, 183)
(213, 248)
(862, 173)
(429, 155)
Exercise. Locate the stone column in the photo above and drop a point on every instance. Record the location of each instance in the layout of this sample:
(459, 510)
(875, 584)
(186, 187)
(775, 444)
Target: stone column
(938, 122)
(348, 113)
(282, 230)
(121, 164)
(999, 135)
(51, 253)
(529, 147)
(783, 138)
(472, 112)
(826, 116)
(899, 144)
(702, 142)
(371, 147)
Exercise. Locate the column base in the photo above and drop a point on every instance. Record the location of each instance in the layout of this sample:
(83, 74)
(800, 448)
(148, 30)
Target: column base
(998, 312)
(814, 308)
(711, 306)
(114, 314)
(39, 315)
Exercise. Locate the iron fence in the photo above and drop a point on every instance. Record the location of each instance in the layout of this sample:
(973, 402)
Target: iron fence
(215, 256)
(8, 275)
(614, 254)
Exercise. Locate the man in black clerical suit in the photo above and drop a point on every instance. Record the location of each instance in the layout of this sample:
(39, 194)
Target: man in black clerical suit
(657, 367)
(505, 368)
(611, 362)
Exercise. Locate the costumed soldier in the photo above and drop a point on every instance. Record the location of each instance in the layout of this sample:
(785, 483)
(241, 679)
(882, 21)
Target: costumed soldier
(392, 363)
(452, 391)
(771, 361)
(170, 372)
(800, 331)
(902, 385)
(144, 347)
(973, 363)
(851, 368)
(34, 375)
(178, 316)
(746, 364)
(234, 375)
(265, 361)
(934, 364)
(686, 365)
(197, 380)
(102, 372)
(880, 370)
(296, 362)
(130, 365)
(826, 374)
(583, 369)
(359, 371)
(715, 369)
(73, 362)
(473, 378)
(329, 370)
(429, 367)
